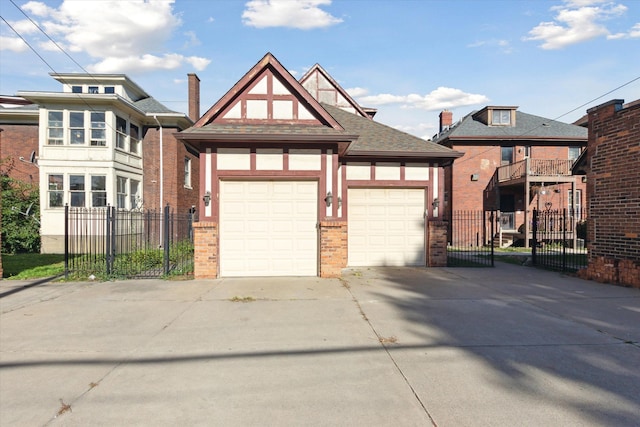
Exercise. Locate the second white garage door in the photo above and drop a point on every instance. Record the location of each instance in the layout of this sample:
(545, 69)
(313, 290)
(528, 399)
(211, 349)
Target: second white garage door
(268, 228)
(386, 226)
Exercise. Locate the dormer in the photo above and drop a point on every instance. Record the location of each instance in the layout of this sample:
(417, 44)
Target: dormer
(497, 116)
(100, 84)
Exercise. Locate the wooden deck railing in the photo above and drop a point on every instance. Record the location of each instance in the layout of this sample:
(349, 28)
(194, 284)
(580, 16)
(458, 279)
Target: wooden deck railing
(534, 167)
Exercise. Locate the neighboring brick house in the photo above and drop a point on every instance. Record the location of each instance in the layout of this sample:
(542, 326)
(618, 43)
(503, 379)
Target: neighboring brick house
(612, 166)
(101, 141)
(513, 162)
(297, 179)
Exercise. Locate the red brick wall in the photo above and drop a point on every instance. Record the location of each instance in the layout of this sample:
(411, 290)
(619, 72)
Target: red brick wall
(19, 141)
(174, 192)
(436, 244)
(613, 229)
(333, 248)
(206, 250)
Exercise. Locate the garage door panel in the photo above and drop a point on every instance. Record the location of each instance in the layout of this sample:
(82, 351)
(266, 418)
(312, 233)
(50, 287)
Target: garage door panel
(386, 226)
(268, 228)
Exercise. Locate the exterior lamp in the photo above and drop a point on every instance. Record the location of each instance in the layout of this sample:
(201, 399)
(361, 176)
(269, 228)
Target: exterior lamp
(207, 198)
(436, 203)
(548, 205)
(328, 199)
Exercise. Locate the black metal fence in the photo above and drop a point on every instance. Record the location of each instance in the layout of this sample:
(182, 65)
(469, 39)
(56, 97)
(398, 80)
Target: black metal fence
(470, 238)
(559, 240)
(110, 242)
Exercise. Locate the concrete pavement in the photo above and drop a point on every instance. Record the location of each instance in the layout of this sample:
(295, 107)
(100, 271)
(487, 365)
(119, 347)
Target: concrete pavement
(381, 346)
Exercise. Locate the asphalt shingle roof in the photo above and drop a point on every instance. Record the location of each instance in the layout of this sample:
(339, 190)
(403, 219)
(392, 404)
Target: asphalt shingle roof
(527, 126)
(151, 105)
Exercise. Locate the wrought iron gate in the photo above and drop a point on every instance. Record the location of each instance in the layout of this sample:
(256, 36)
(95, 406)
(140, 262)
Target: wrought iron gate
(559, 239)
(470, 238)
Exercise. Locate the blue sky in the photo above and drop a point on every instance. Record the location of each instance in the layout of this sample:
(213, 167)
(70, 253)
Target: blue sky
(408, 58)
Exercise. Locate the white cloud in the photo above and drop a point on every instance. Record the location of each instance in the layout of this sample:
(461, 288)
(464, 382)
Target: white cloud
(355, 92)
(438, 99)
(576, 21)
(119, 40)
(146, 62)
(300, 14)
(25, 27)
(502, 45)
(13, 44)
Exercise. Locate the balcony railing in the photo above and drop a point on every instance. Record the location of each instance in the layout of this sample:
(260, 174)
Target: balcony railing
(534, 167)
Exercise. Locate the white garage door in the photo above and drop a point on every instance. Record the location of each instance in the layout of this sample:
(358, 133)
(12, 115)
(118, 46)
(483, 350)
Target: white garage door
(268, 228)
(386, 226)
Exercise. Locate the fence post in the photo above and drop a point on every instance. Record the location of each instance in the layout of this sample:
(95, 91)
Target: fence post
(166, 240)
(564, 239)
(492, 231)
(534, 240)
(66, 241)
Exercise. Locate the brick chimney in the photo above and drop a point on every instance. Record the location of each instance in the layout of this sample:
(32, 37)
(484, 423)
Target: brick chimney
(446, 119)
(194, 97)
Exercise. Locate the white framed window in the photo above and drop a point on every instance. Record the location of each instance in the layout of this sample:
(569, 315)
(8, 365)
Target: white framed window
(76, 128)
(55, 190)
(121, 192)
(98, 191)
(109, 89)
(98, 129)
(55, 128)
(76, 89)
(134, 139)
(93, 89)
(501, 117)
(187, 172)
(134, 193)
(121, 133)
(77, 190)
(574, 153)
(578, 211)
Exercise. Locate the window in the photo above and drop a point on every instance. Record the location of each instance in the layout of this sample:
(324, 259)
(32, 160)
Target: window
(93, 89)
(134, 139)
(55, 131)
(121, 191)
(578, 212)
(134, 192)
(527, 151)
(187, 172)
(76, 127)
(574, 153)
(98, 135)
(56, 191)
(501, 117)
(76, 89)
(98, 191)
(506, 155)
(76, 187)
(109, 89)
(121, 133)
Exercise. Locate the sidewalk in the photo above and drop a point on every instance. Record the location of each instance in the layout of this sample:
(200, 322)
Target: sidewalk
(497, 346)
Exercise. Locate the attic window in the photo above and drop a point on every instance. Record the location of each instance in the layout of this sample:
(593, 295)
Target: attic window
(501, 117)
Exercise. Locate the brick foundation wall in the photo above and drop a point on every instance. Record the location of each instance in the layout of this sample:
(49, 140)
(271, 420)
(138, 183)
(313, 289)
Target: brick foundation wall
(205, 256)
(436, 244)
(613, 188)
(333, 248)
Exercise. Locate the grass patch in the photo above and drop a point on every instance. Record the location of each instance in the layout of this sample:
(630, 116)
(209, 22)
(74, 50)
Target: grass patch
(31, 266)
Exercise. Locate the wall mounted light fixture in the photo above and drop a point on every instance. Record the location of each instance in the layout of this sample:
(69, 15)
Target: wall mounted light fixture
(475, 176)
(436, 203)
(329, 199)
(207, 198)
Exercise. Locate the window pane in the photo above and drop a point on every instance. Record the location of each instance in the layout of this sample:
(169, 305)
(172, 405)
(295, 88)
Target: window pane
(97, 120)
(93, 89)
(76, 119)
(76, 89)
(134, 132)
(505, 117)
(56, 188)
(55, 119)
(55, 182)
(98, 199)
(77, 136)
(135, 199)
(506, 155)
(109, 89)
(98, 183)
(121, 125)
(77, 199)
(76, 182)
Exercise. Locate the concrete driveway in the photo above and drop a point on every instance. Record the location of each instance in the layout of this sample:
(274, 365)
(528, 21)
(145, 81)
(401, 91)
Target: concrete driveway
(382, 346)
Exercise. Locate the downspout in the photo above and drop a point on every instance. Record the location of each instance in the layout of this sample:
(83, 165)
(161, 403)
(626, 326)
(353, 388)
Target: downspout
(161, 164)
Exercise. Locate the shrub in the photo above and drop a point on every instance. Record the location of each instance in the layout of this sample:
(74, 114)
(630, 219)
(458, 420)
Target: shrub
(20, 216)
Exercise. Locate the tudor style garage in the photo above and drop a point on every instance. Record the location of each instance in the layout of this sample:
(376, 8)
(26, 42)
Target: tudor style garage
(297, 179)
